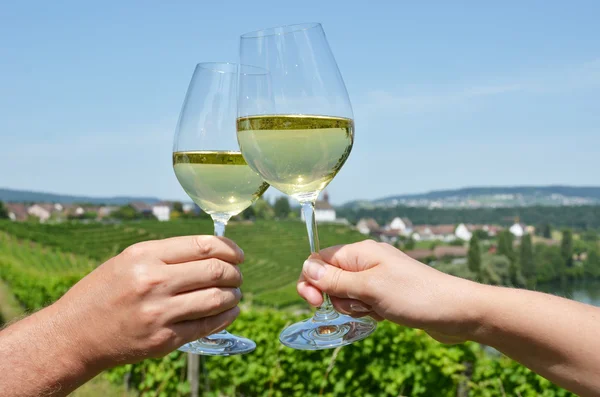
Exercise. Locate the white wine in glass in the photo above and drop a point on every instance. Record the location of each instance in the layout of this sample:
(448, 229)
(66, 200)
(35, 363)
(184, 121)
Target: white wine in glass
(210, 168)
(296, 130)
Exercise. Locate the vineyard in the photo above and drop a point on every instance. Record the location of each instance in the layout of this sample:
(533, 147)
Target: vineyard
(40, 262)
(274, 250)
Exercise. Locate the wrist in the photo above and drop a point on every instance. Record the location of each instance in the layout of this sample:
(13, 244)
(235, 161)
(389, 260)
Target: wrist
(480, 310)
(74, 341)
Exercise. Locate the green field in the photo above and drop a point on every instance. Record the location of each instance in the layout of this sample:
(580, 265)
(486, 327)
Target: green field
(275, 250)
(38, 263)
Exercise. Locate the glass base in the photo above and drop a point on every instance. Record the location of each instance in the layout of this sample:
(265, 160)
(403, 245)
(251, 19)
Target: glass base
(219, 344)
(336, 330)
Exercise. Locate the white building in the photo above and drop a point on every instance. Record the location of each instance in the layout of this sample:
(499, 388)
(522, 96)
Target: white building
(324, 212)
(367, 226)
(518, 230)
(462, 232)
(401, 225)
(43, 211)
(162, 211)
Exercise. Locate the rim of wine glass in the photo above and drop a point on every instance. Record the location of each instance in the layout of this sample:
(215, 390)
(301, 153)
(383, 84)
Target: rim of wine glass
(232, 68)
(280, 30)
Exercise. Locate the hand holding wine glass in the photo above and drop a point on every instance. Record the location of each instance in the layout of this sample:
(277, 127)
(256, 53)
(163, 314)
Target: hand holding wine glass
(296, 130)
(211, 169)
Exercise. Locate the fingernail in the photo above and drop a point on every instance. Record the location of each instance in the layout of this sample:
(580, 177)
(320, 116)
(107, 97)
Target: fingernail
(314, 269)
(241, 254)
(359, 307)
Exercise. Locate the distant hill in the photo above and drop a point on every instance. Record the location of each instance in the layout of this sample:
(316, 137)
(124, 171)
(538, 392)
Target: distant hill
(10, 195)
(506, 196)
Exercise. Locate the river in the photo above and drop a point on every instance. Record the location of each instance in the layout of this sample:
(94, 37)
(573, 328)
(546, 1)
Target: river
(586, 291)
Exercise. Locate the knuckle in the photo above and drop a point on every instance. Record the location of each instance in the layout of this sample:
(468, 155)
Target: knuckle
(161, 338)
(151, 316)
(134, 252)
(216, 270)
(217, 299)
(144, 279)
(205, 245)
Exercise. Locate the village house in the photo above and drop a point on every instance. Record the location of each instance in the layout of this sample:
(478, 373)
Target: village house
(44, 211)
(518, 230)
(17, 212)
(162, 211)
(324, 212)
(367, 226)
(402, 226)
(434, 232)
(462, 232)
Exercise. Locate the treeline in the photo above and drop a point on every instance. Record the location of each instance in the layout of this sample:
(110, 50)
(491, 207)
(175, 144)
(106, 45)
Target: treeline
(575, 217)
(525, 263)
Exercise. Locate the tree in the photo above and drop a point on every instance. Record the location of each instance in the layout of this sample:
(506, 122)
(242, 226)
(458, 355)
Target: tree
(178, 206)
(263, 209)
(282, 207)
(590, 236)
(474, 256)
(566, 247)
(128, 213)
(505, 245)
(592, 263)
(526, 259)
(3, 211)
(546, 230)
(410, 244)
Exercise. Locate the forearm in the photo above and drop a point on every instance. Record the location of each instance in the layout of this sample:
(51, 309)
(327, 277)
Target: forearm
(555, 337)
(40, 356)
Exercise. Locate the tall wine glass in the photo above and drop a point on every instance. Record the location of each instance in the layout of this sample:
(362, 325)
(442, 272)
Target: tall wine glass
(210, 168)
(296, 130)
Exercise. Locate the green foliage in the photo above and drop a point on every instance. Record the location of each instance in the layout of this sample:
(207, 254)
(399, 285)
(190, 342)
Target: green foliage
(3, 211)
(576, 217)
(526, 259)
(282, 207)
(590, 236)
(548, 263)
(566, 247)
(474, 255)
(178, 206)
(495, 270)
(409, 244)
(126, 213)
(545, 230)
(394, 361)
(481, 234)
(592, 263)
(263, 209)
(505, 245)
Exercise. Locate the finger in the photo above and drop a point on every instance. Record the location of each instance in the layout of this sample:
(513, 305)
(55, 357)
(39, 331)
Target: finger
(333, 280)
(351, 307)
(353, 257)
(202, 303)
(202, 274)
(309, 293)
(187, 331)
(188, 249)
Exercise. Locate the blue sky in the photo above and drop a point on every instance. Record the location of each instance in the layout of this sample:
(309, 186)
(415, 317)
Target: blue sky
(444, 95)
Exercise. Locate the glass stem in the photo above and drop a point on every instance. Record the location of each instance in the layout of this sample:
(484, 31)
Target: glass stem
(325, 311)
(220, 223)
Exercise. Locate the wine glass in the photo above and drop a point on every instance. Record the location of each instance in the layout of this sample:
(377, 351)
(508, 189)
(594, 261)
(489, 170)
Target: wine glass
(296, 131)
(210, 168)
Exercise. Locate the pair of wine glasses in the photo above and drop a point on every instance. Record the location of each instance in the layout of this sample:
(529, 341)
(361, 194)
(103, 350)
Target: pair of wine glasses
(280, 117)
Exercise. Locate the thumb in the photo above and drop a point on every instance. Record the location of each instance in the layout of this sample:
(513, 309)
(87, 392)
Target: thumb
(333, 280)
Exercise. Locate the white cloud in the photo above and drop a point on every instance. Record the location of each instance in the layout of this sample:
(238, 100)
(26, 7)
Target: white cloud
(557, 80)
